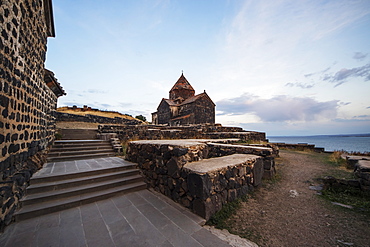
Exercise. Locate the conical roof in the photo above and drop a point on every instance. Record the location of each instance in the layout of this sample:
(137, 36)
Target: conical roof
(182, 83)
(182, 89)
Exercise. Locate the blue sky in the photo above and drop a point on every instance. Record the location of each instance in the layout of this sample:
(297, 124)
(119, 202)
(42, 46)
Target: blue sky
(280, 67)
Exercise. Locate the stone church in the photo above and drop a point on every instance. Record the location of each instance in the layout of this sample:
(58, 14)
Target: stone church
(184, 107)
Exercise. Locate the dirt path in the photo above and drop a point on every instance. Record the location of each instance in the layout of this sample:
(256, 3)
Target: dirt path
(288, 213)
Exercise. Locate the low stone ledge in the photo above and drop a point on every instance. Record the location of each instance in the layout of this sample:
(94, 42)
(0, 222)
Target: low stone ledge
(216, 164)
(195, 174)
(362, 171)
(232, 148)
(268, 154)
(299, 146)
(352, 160)
(213, 182)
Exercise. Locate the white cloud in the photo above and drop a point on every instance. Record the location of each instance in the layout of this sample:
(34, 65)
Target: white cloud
(280, 108)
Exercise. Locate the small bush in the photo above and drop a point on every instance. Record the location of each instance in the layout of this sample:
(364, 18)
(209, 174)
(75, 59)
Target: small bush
(141, 117)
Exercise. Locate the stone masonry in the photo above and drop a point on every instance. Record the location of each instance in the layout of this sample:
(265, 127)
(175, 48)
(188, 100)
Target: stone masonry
(201, 174)
(28, 97)
(197, 131)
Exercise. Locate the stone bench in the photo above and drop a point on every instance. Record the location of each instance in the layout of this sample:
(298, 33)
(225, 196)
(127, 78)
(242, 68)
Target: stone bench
(213, 182)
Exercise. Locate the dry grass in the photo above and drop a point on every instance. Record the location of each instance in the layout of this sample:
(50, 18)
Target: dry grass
(109, 114)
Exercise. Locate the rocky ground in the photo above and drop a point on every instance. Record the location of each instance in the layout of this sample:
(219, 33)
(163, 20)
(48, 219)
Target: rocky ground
(287, 213)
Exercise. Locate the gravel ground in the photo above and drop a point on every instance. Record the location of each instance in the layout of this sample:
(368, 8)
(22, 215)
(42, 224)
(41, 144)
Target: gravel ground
(288, 213)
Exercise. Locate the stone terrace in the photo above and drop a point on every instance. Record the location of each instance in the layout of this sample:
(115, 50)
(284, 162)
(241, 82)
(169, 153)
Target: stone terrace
(198, 131)
(201, 174)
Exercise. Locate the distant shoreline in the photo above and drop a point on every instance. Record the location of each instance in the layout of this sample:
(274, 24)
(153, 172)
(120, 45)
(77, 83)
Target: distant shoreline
(339, 135)
(349, 143)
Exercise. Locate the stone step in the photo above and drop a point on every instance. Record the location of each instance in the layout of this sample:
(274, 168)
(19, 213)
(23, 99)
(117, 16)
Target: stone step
(54, 154)
(35, 188)
(80, 157)
(77, 190)
(82, 143)
(80, 148)
(78, 134)
(64, 150)
(74, 201)
(75, 175)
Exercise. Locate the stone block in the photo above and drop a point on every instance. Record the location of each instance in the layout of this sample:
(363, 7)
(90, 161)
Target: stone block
(173, 167)
(199, 185)
(231, 195)
(258, 172)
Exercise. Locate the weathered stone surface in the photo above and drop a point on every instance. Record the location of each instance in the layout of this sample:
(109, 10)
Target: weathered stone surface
(199, 185)
(27, 101)
(173, 167)
(216, 164)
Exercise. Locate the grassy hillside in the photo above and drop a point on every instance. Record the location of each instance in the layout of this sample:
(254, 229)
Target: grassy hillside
(82, 112)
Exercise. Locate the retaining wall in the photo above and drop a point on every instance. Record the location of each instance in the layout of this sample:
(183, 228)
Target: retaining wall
(157, 132)
(169, 167)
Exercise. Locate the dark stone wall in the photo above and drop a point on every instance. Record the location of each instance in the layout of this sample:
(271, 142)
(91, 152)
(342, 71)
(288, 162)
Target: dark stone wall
(204, 111)
(164, 113)
(200, 131)
(27, 105)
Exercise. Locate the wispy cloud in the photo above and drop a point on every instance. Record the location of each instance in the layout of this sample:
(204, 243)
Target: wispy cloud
(362, 117)
(262, 37)
(279, 108)
(300, 85)
(124, 104)
(342, 75)
(317, 73)
(359, 56)
(96, 91)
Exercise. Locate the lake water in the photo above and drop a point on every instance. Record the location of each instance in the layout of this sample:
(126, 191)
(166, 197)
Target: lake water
(355, 143)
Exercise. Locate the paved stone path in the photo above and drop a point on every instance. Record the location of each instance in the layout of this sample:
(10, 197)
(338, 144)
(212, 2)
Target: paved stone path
(142, 218)
(65, 167)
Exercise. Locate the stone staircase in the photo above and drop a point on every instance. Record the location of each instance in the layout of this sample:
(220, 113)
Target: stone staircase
(64, 150)
(78, 134)
(55, 192)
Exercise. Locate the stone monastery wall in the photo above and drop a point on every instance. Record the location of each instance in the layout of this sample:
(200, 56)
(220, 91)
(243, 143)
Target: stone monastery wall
(198, 131)
(27, 104)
